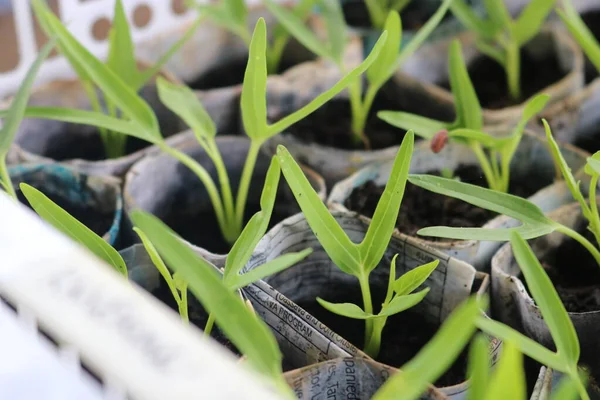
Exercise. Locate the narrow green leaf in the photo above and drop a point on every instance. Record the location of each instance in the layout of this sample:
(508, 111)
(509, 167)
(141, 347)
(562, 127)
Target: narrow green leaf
(531, 20)
(594, 165)
(121, 51)
(295, 25)
(465, 14)
(414, 278)
(384, 65)
(498, 13)
(70, 226)
(582, 34)
(272, 267)
(401, 303)
(342, 251)
(219, 15)
(247, 332)
(468, 135)
(422, 126)
(508, 381)
(183, 102)
(333, 15)
(435, 357)
(323, 98)
(347, 310)
(478, 367)
(158, 263)
(92, 118)
(16, 111)
(468, 109)
(254, 89)
(527, 346)
(237, 11)
(533, 107)
(547, 299)
(384, 219)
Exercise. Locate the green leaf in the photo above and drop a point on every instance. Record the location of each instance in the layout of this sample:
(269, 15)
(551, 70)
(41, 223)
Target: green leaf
(435, 357)
(531, 19)
(471, 135)
(547, 299)
(478, 367)
(401, 303)
(323, 98)
(582, 34)
(333, 15)
(254, 90)
(183, 102)
(383, 223)
(508, 381)
(342, 251)
(219, 15)
(468, 109)
(498, 13)
(121, 51)
(237, 11)
(115, 89)
(534, 222)
(16, 111)
(465, 14)
(92, 118)
(70, 226)
(347, 310)
(158, 263)
(247, 332)
(295, 25)
(422, 126)
(533, 107)
(414, 278)
(385, 64)
(594, 166)
(272, 267)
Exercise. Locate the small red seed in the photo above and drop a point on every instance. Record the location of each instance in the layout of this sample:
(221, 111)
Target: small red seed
(439, 140)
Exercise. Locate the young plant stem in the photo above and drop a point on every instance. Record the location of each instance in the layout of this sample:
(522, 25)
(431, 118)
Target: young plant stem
(226, 194)
(595, 216)
(183, 307)
(357, 109)
(582, 240)
(5, 178)
(374, 345)
(242, 193)
(485, 165)
(376, 13)
(368, 306)
(581, 389)
(209, 324)
(513, 64)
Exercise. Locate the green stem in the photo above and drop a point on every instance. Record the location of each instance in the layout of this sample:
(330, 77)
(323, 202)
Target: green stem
(242, 193)
(580, 386)
(5, 178)
(513, 67)
(582, 240)
(356, 106)
(595, 222)
(374, 345)
(226, 193)
(368, 306)
(209, 324)
(205, 178)
(485, 165)
(376, 13)
(183, 306)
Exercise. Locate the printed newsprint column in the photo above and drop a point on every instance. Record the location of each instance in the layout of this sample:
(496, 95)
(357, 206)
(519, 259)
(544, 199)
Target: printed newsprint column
(122, 334)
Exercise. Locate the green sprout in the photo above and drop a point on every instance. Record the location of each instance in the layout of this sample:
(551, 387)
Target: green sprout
(534, 223)
(493, 153)
(360, 259)
(379, 9)
(233, 15)
(582, 34)
(14, 116)
(121, 61)
(332, 49)
(500, 37)
(139, 120)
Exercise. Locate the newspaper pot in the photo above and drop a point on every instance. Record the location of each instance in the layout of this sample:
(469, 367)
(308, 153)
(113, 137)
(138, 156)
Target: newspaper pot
(159, 184)
(573, 272)
(345, 378)
(451, 283)
(96, 201)
(214, 57)
(532, 176)
(552, 51)
(40, 140)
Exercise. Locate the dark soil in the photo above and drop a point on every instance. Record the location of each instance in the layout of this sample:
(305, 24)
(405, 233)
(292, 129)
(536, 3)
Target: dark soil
(421, 208)
(91, 217)
(592, 20)
(404, 336)
(489, 79)
(330, 126)
(575, 274)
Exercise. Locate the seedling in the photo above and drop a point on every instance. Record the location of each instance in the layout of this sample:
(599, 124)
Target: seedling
(533, 221)
(493, 153)
(580, 32)
(141, 122)
(360, 259)
(388, 61)
(500, 37)
(233, 16)
(121, 61)
(14, 116)
(379, 9)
